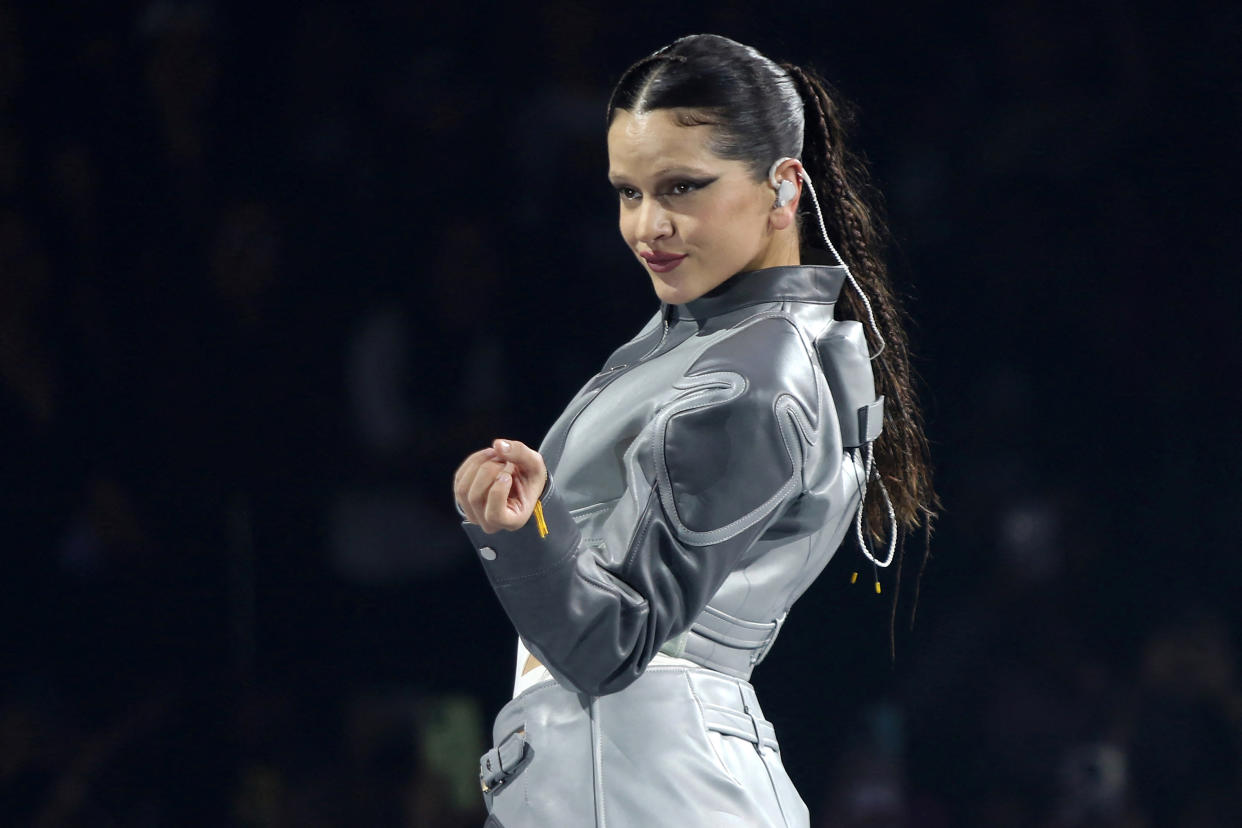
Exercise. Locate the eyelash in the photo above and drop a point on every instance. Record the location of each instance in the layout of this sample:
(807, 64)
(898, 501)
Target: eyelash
(693, 185)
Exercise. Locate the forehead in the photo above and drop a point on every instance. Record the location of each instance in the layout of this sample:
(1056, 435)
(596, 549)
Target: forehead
(653, 141)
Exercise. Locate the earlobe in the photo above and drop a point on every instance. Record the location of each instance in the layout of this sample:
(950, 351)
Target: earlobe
(781, 218)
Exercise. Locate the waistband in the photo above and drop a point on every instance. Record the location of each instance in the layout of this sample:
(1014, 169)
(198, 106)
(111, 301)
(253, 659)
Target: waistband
(726, 644)
(728, 705)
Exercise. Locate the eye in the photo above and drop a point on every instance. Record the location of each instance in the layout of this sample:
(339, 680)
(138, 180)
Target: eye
(627, 193)
(686, 187)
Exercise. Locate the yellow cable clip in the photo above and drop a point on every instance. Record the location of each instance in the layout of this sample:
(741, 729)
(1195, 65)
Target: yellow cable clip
(539, 521)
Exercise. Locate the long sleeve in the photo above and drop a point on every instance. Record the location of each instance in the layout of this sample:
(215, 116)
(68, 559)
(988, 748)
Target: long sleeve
(720, 461)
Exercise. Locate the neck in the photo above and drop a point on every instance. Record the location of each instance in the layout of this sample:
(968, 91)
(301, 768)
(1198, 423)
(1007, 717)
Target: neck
(781, 252)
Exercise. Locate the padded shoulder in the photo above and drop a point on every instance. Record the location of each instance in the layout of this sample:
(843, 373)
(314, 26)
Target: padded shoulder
(731, 442)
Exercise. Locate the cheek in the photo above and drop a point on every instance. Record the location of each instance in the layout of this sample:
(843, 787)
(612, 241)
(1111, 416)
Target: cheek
(728, 228)
(625, 222)
(739, 208)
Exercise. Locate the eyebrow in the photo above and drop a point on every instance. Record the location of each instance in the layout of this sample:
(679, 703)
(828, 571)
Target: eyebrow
(695, 171)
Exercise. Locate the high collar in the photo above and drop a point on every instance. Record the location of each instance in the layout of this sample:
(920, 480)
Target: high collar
(819, 284)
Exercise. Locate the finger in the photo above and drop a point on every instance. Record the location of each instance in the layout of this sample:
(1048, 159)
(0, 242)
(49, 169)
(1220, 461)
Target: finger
(465, 472)
(496, 512)
(476, 497)
(478, 486)
(464, 477)
(529, 462)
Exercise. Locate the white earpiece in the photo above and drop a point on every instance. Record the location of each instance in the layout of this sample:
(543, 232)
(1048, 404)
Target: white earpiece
(785, 189)
(785, 193)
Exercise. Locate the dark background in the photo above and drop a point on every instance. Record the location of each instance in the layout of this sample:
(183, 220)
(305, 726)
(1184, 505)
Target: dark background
(268, 273)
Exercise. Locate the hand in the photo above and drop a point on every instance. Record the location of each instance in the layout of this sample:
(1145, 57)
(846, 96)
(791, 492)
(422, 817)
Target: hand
(497, 487)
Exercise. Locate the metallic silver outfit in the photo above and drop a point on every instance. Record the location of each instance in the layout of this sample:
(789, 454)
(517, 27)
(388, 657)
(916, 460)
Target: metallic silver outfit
(698, 485)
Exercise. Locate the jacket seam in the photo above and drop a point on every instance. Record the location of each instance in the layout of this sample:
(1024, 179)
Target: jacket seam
(644, 527)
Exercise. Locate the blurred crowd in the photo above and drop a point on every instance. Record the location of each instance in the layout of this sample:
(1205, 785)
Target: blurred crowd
(267, 274)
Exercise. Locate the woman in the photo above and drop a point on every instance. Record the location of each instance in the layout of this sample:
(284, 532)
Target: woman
(701, 481)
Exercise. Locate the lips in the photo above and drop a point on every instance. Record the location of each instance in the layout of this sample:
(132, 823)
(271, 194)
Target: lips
(662, 262)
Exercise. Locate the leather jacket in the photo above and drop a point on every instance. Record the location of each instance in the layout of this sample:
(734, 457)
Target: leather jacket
(698, 484)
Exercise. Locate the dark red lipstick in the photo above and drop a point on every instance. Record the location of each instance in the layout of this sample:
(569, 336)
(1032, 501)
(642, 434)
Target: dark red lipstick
(662, 262)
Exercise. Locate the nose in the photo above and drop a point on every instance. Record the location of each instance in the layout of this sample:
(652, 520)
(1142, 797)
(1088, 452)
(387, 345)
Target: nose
(654, 222)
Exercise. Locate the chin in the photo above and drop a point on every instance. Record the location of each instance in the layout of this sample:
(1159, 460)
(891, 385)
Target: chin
(678, 288)
(674, 294)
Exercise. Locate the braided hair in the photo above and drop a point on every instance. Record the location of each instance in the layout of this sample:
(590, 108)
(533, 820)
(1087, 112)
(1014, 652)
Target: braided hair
(761, 111)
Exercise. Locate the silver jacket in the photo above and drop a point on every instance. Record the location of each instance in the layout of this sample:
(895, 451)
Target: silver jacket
(698, 485)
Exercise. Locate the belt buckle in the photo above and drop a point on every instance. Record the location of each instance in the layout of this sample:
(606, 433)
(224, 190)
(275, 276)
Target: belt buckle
(492, 770)
(489, 765)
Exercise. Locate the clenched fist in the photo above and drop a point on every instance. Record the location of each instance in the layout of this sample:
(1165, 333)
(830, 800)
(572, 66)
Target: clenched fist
(497, 488)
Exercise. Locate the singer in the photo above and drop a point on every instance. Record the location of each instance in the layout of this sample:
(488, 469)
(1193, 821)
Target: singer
(649, 551)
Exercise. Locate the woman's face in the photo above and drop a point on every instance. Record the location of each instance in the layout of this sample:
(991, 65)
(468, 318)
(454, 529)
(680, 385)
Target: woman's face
(678, 199)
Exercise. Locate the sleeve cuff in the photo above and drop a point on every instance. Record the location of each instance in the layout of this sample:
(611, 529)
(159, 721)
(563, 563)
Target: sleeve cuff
(528, 552)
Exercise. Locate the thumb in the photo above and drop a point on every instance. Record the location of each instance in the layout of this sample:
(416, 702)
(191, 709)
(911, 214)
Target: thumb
(531, 469)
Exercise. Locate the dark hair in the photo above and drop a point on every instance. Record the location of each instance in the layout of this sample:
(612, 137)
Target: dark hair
(761, 111)
(751, 102)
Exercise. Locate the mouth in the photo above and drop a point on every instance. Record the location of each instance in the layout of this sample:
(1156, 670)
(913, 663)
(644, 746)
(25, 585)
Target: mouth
(662, 262)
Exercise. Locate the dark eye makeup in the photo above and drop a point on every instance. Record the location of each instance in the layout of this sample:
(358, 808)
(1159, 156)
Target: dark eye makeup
(683, 186)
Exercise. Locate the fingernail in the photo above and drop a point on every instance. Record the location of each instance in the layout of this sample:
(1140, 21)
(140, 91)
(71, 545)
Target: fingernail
(503, 477)
(505, 445)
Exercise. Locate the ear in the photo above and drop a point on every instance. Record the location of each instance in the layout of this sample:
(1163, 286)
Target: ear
(789, 169)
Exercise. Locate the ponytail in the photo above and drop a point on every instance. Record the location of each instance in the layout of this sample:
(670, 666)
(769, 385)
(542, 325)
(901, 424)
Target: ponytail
(853, 212)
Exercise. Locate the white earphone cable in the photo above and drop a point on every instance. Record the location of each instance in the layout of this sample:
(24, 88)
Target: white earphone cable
(868, 450)
(823, 229)
(869, 467)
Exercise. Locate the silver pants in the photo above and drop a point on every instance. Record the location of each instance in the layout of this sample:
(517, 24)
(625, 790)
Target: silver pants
(679, 747)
